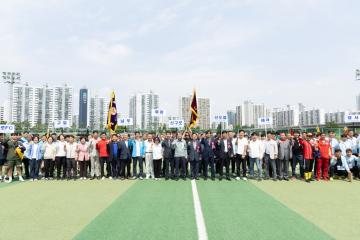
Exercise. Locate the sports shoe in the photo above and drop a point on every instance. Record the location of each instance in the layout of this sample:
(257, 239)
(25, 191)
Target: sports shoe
(237, 178)
(103, 178)
(31, 180)
(244, 178)
(9, 180)
(331, 179)
(110, 178)
(21, 179)
(141, 178)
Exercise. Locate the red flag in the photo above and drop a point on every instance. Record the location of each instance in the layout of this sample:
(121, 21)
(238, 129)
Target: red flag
(194, 111)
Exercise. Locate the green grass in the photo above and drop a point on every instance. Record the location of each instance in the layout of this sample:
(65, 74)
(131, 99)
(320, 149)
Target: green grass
(164, 210)
(149, 210)
(332, 206)
(239, 210)
(53, 210)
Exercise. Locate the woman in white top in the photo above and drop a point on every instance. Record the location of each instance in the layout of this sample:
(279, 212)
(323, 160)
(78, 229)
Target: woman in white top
(157, 157)
(49, 157)
(60, 157)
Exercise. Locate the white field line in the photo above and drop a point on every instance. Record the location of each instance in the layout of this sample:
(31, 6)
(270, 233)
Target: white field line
(200, 223)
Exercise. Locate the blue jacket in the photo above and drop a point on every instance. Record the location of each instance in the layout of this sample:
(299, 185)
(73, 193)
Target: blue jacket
(132, 143)
(39, 153)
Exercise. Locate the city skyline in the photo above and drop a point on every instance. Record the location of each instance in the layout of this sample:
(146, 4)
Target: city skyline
(223, 49)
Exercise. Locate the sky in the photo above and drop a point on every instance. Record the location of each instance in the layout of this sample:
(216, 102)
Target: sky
(273, 52)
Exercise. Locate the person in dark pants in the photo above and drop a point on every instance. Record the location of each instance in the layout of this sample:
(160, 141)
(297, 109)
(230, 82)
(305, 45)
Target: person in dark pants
(83, 157)
(240, 153)
(26, 139)
(225, 153)
(35, 153)
(125, 164)
(138, 151)
(3, 152)
(193, 150)
(168, 157)
(180, 155)
(60, 157)
(297, 156)
(71, 155)
(113, 148)
(157, 158)
(101, 147)
(207, 150)
(339, 166)
(232, 138)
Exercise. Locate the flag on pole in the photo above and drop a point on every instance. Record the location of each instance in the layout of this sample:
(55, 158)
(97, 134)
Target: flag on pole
(194, 111)
(318, 129)
(112, 114)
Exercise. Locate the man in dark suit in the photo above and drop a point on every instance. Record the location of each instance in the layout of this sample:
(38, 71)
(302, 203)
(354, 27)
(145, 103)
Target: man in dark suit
(168, 155)
(125, 157)
(193, 148)
(225, 152)
(114, 156)
(207, 151)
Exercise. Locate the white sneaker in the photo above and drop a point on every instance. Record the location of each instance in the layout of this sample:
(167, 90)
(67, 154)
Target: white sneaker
(237, 178)
(110, 178)
(103, 178)
(244, 178)
(84, 178)
(8, 181)
(35, 179)
(21, 179)
(141, 178)
(147, 177)
(31, 180)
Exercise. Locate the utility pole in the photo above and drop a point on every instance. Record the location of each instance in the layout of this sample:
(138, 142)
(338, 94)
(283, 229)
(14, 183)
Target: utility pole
(11, 78)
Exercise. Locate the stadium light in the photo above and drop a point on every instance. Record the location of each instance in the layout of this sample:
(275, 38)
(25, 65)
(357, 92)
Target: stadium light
(11, 78)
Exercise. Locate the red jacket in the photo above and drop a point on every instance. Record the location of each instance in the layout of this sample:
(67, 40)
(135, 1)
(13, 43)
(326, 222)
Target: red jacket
(101, 146)
(324, 148)
(308, 151)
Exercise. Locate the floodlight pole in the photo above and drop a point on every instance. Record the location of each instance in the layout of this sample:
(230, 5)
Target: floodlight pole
(11, 78)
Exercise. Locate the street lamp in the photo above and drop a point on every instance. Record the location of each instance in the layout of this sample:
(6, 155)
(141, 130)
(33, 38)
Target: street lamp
(11, 78)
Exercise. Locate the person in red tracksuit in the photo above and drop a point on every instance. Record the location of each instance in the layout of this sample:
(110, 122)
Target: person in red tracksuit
(324, 147)
(308, 156)
(101, 147)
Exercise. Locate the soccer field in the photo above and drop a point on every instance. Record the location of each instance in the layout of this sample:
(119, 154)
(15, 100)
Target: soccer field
(165, 210)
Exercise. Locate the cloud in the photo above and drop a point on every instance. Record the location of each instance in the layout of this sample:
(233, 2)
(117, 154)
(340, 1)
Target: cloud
(100, 52)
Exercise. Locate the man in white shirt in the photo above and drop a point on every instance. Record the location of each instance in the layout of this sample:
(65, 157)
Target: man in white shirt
(271, 152)
(94, 156)
(256, 153)
(241, 144)
(149, 157)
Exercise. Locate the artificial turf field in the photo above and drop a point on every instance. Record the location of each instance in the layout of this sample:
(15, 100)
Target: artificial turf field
(165, 210)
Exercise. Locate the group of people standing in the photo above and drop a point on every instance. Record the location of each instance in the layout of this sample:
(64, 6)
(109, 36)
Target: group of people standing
(180, 155)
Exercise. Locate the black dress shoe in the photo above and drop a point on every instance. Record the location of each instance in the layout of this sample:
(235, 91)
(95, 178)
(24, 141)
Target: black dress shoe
(228, 178)
(92, 178)
(213, 179)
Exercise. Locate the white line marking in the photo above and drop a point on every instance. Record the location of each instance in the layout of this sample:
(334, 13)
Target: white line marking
(202, 234)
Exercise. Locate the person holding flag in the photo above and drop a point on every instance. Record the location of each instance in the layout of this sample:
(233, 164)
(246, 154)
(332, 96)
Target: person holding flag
(112, 115)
